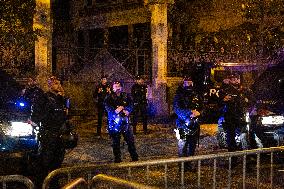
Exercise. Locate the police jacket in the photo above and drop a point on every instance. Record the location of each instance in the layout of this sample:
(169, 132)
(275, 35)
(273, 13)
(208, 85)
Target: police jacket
(101, 92)
(38, 101)
(233, 109)
(47, 110)
(138, 93)
(117, 122)
(185, 100)
(56, 111)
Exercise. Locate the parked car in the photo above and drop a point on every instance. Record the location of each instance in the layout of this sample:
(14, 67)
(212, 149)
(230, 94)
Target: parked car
(267, 116)
(19, 134)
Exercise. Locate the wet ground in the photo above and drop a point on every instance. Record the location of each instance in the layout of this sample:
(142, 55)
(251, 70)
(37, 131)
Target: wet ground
(160, 143)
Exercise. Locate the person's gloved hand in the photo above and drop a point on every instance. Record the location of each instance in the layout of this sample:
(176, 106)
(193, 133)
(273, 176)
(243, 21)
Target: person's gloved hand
(195, 113)
(108, 90)
(227, 98)
(187, 122)
(119, 109)
(177, 134)
(126, 112)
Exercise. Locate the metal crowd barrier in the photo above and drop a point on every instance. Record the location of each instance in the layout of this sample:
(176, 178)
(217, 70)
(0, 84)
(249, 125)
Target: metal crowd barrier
(102, 180)
(16, 179)
(92, 170)
(77, 183)
(109, 181)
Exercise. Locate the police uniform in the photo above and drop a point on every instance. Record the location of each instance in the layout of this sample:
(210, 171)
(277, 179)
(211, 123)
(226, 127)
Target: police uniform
(37, 98)
(101, 91)
(118, 124)
(52, 148)
(231, 113)
(139, 92)
(186, 100)
(48, 113)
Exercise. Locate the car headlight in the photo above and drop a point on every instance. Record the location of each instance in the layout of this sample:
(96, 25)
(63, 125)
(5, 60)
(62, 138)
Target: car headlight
(272, 120)
(18, 129)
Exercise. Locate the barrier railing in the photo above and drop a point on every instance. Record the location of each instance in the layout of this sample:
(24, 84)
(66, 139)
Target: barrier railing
(90, 171)
(116, 182)
(16, 179)
(77, 183)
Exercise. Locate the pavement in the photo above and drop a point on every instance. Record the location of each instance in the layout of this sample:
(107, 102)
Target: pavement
(158, 143)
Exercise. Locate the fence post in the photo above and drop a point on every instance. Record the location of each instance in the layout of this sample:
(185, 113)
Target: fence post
(199, 173)
(214, 173)
(258, 170)
(166, 175)
(244, 171)
(271, 169)
(230, 172)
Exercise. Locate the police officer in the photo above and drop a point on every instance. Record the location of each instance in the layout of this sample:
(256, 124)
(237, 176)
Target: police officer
(139, 96)
(100, 93)
(231, 109)
(48, 113)
(187, 108)
(119, 105)
(52, 147)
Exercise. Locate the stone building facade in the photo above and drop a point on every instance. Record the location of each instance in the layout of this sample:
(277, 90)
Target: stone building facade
(119, 38)
(125, 38)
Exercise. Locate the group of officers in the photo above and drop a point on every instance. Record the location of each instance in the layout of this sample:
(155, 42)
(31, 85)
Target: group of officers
(190, 110)
(187, 104)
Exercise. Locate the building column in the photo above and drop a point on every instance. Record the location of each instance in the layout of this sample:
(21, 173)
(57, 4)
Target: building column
(130, 36)
(106, 38)
(43, 45)
(131, 45)
(159, 35)
(86, 45)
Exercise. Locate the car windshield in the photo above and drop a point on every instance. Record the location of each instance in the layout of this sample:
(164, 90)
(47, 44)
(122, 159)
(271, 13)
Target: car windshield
(268, 88)
(10, 89)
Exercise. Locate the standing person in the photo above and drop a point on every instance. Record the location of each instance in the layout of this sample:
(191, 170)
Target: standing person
(49, 114)
(186, 106)
(119, 105)
(139, 96)
(231, 109)
(100, 93)
(52, 147)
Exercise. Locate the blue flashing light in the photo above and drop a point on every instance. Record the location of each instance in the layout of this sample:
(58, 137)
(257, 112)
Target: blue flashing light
(21, 104)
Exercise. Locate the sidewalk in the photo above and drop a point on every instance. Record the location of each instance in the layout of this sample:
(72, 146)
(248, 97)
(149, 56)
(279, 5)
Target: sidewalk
(159, 143)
